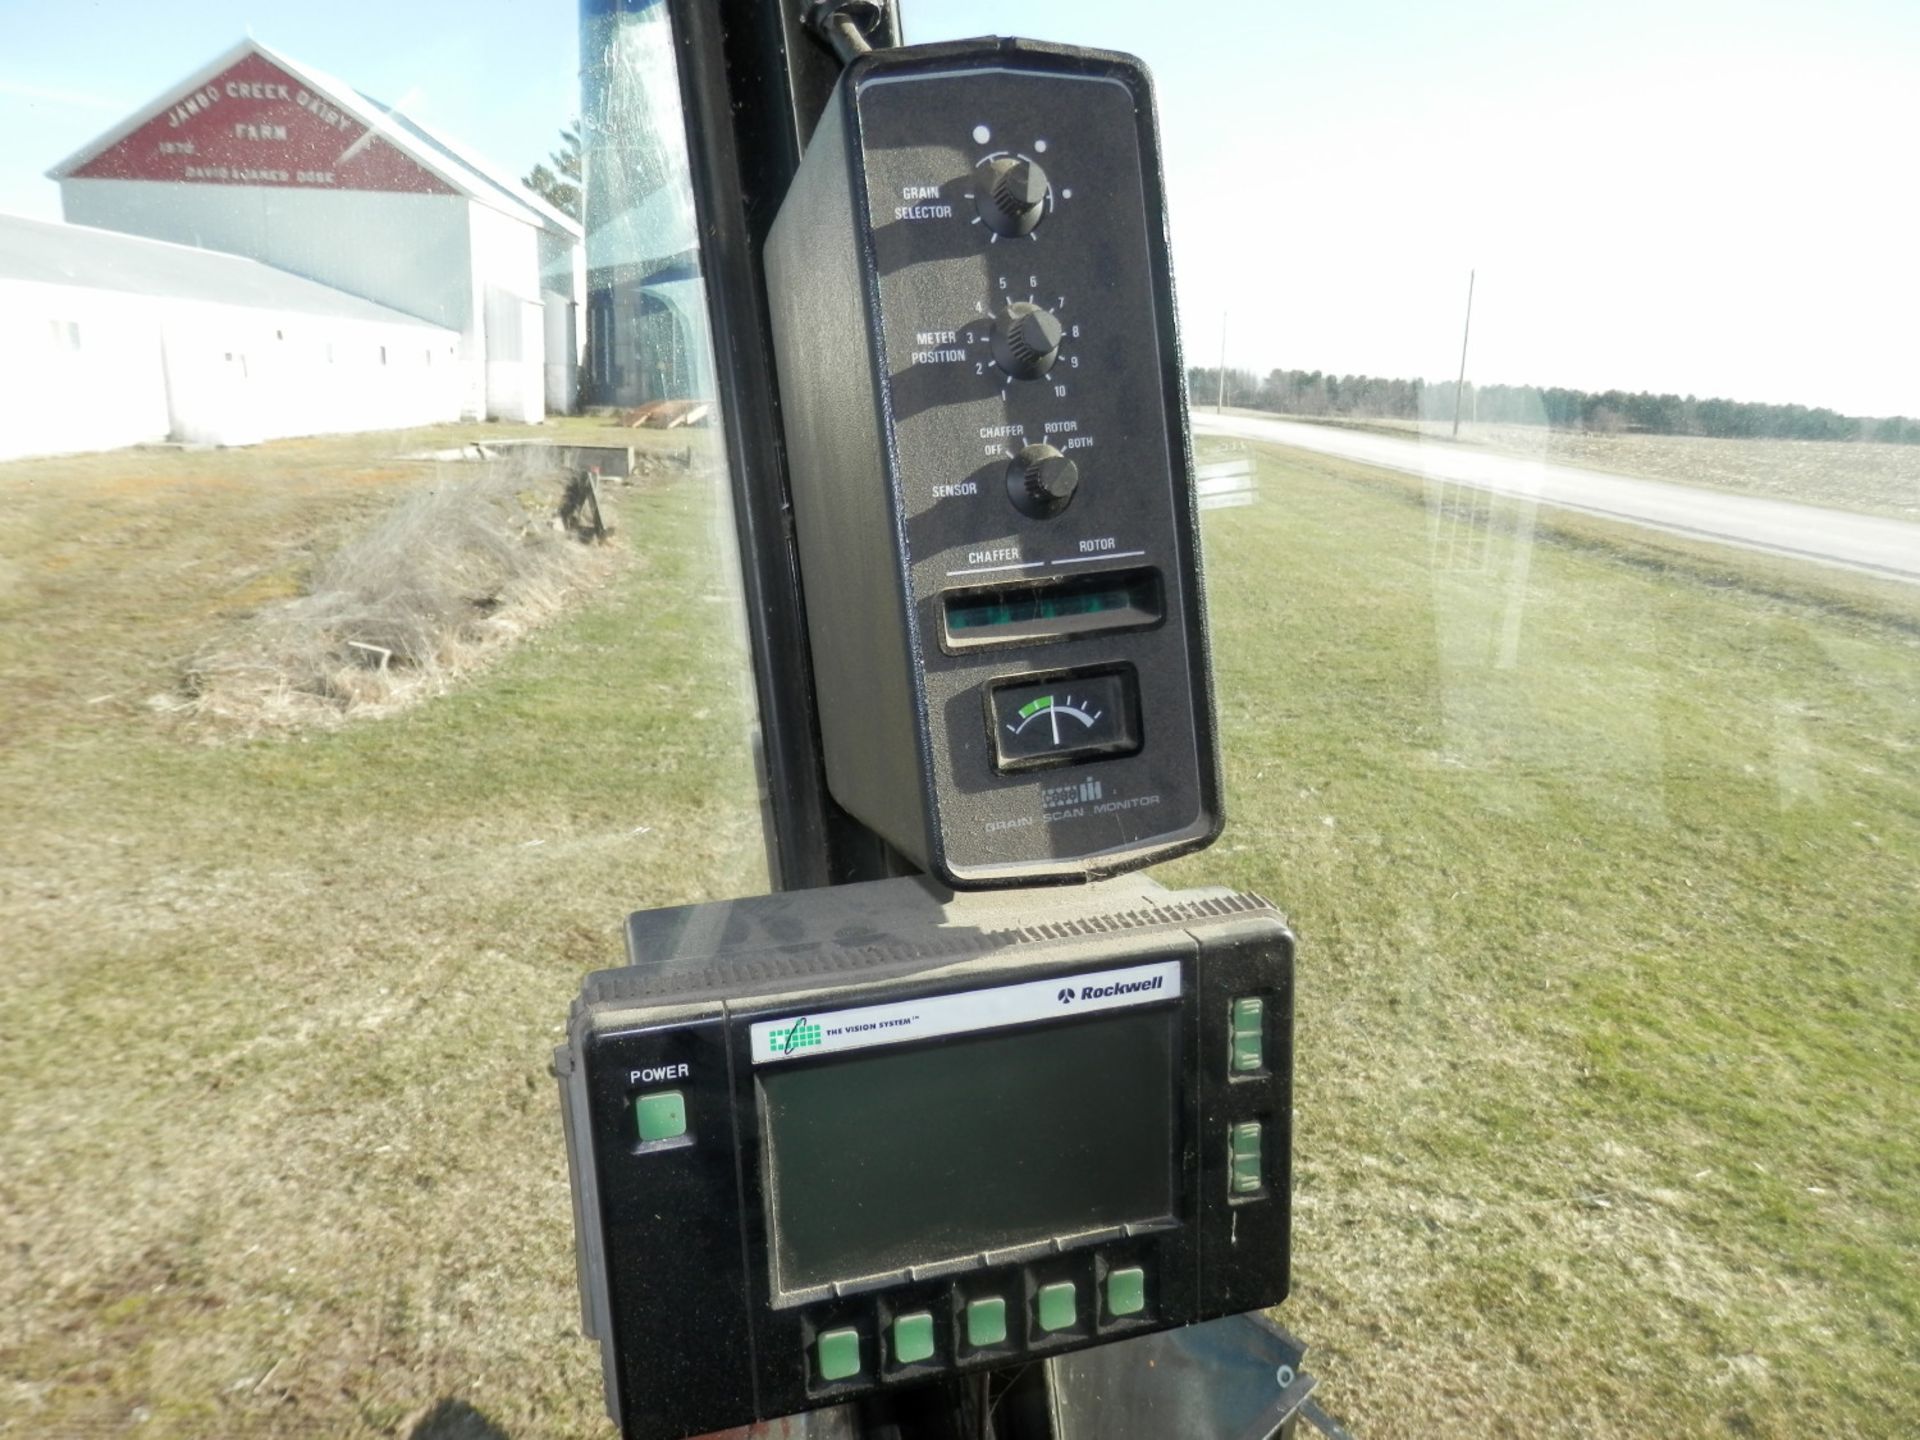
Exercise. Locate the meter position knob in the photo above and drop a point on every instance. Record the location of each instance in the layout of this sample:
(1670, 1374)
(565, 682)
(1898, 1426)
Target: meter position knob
(1040, 481)
(1014, 198)
(1026, 339)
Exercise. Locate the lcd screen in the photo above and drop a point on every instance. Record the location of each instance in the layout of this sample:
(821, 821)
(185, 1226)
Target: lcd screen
(926, 1153)
(1027, 610)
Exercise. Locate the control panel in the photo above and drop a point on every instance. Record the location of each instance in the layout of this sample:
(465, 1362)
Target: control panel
(992, 481)
(831, 1142)
(847, 1139)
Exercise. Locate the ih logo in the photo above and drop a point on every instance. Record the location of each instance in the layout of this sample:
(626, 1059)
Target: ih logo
(801, 1035)
(1081, 792)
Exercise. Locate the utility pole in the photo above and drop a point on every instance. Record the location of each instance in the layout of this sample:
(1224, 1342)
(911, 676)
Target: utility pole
(1220, 395)
(1460, 385)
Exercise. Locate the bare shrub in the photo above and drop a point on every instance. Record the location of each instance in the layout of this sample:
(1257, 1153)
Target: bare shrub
(448, 575)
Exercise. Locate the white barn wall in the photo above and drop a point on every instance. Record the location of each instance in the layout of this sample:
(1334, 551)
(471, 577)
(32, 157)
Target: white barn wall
(563, 267)
(412, 253)
(563, 292)
(136, 369)
(506, 290)
(562, 318)
(237, 375)
(96, 386)
(407, 252)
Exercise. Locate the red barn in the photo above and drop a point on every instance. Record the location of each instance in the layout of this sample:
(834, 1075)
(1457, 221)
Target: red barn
(260, 156)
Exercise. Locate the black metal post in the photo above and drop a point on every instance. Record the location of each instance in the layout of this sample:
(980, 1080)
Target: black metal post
(752, 85)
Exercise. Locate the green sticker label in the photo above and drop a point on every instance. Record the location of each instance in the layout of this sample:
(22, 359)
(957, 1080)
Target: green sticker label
(803, 1034)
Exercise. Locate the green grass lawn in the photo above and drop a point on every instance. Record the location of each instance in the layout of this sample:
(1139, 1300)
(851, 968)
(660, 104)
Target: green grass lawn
(1607, 873)
(279, 1150)
(1605, 857)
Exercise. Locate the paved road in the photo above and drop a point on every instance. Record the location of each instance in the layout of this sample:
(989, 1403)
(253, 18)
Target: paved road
(1808, 532)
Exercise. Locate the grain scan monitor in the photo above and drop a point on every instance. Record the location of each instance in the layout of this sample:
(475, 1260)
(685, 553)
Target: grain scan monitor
(832, 1143)
(992, 474)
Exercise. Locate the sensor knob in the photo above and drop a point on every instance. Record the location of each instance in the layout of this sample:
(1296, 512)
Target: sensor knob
(1014, 198)
(1026, 339)
(1041, 481)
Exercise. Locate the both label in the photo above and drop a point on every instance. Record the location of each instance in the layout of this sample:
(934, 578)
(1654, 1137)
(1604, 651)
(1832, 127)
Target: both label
(798, 1036)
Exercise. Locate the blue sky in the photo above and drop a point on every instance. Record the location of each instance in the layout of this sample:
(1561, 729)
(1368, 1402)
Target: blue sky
(1688, 195)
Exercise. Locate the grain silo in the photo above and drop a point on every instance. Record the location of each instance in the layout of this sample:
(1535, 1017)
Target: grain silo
(646, 308)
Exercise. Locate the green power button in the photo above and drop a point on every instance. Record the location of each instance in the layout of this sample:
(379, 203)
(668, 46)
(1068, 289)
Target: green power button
(661, 1115)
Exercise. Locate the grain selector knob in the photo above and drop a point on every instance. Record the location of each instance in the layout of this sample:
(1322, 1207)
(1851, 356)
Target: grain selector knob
(1014, 198)
(1026, 340)
(1041, 481)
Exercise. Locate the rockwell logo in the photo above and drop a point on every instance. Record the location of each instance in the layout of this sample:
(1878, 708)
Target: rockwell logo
(1066, 996)
(1107, 992)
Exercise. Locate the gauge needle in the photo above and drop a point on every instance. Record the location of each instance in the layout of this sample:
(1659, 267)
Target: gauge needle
(1053, 714)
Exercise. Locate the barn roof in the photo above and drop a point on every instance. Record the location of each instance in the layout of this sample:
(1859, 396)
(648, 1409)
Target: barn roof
(453, 163)
(50, 252)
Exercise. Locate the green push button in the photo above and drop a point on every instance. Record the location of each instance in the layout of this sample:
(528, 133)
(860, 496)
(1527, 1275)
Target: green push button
(912, 1338)
(1058, 1309)
(1244, 1147)
(1249, 1035)
(1126, 1291)
(661, 1115)
(986, 1321)
(839, 1354)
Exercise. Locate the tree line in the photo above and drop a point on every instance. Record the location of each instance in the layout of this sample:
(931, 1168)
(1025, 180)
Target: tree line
(1314, 392)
